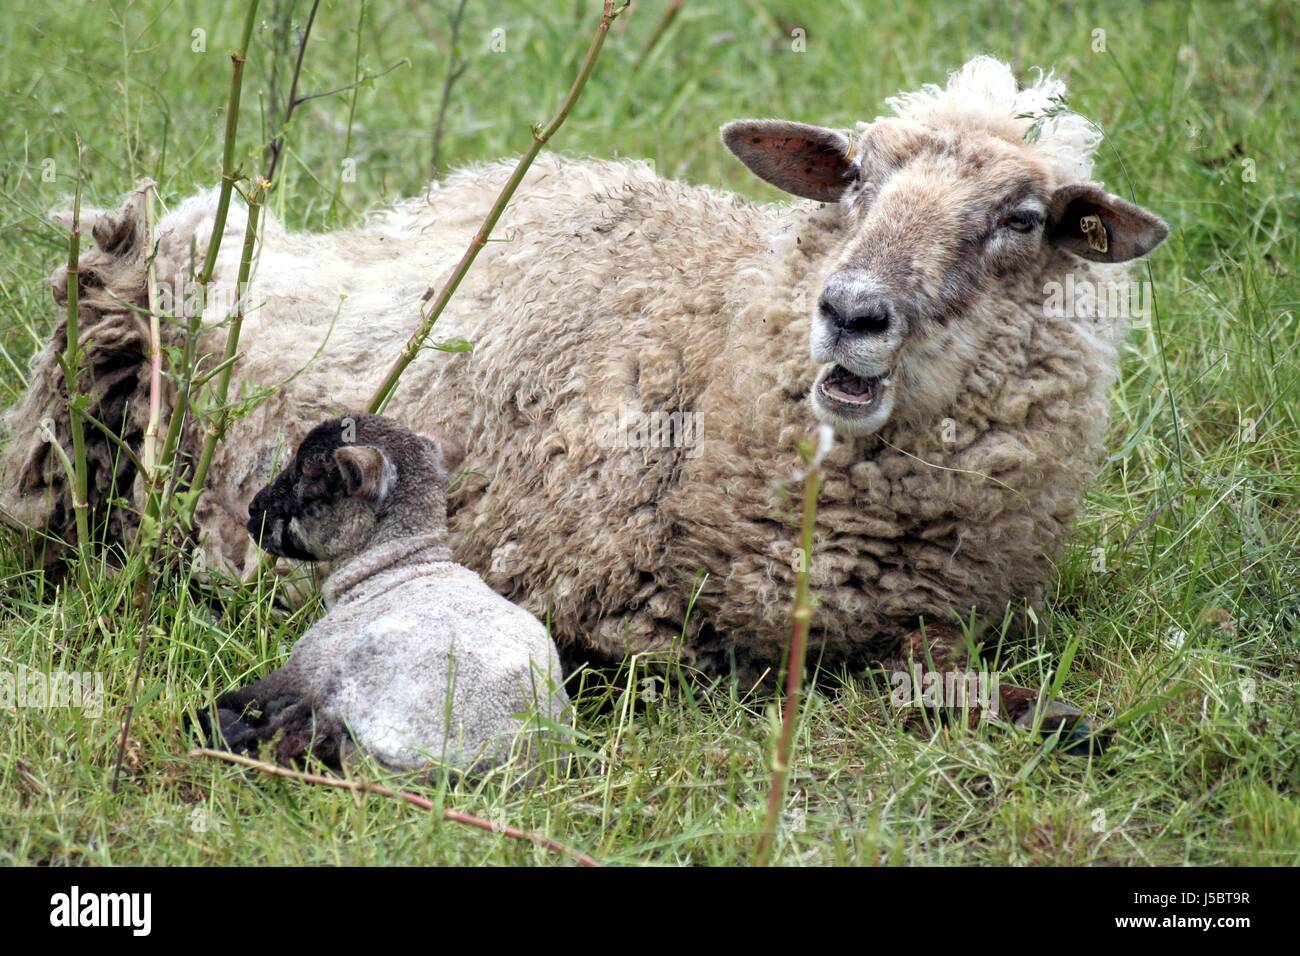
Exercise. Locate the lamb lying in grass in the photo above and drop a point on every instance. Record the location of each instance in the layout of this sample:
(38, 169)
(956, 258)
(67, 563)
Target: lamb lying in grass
(461, 668)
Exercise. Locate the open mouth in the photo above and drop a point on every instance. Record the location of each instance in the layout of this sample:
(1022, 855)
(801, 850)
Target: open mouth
(850, 403)
(852, 392)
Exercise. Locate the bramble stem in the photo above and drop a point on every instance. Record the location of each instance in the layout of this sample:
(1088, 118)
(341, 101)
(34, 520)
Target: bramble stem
(540, 137)
(150, 444)
(228, 177)
(216, 429)
(71, 362)
(454, 816)
(802, 618)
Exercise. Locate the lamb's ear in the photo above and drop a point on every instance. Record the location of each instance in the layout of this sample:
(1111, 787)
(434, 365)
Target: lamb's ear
(367, 472)
(808, 161)
(1092, 223)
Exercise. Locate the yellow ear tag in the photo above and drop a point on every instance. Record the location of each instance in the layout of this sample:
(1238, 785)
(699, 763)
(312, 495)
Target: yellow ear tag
(1094, 232)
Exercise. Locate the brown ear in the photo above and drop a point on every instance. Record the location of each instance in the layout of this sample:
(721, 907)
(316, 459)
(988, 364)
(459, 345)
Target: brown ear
(808, 161)
(1092, 223)
(448, 454)
(367, 472)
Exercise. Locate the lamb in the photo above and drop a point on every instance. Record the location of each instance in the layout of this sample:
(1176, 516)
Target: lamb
(460, 668)
(903, 299)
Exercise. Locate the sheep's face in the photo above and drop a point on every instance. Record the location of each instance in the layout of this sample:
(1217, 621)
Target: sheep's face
(943, 227)
(329, 501)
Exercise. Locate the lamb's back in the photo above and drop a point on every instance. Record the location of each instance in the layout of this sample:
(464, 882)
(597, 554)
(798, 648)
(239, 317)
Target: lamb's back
(439, 667)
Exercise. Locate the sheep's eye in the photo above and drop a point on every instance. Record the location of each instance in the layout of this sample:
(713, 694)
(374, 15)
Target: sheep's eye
(1021, 222)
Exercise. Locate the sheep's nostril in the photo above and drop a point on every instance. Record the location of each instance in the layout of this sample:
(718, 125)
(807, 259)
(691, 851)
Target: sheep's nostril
(850, 308)
(873, 321)
(829, 312)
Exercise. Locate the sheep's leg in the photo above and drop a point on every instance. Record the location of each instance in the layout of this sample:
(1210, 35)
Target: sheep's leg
(272, 713)
(940, 649)
(299, 731)
(242, 712)
(257, 695)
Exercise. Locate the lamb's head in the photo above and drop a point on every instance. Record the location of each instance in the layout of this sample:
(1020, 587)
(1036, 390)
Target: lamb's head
(953, 209)
(354, 481)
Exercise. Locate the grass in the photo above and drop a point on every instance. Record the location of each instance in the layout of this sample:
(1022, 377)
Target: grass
(1181, 588)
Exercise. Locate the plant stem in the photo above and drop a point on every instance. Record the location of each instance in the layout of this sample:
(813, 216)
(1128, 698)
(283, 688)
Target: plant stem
(277, 145)
(71, 362)
(216, 430)
(228, 177)
(674, 8)
(802, 618)
(455, 67)
(540, 137)
(352, 111)
(150, 444)
(454, 816)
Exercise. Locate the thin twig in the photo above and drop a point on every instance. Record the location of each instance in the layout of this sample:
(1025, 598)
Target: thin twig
(802, 618)
(133, 695)
(455, 69)
(661, 28)
(277, 145)
(150, 444)
(454, 816)
(116, 439)
(71, 363)
(357, 76)
(1015, 39)
(216, 426)
(541, 134)
(365, 77)
(229, 175)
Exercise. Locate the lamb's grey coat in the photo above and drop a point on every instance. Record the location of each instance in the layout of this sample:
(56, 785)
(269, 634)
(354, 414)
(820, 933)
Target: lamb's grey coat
(423, 662)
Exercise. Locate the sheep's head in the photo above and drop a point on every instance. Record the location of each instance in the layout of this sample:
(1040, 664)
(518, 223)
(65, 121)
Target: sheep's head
(352, 480)
(950, 210)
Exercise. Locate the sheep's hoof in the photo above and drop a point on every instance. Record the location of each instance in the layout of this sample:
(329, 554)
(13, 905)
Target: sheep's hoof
(1078, 734)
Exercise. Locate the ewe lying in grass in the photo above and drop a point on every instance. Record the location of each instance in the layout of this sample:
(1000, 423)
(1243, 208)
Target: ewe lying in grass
(641, 372)
(419, 659)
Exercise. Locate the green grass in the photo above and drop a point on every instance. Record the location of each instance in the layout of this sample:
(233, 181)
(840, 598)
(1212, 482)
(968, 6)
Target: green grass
(1183, 578)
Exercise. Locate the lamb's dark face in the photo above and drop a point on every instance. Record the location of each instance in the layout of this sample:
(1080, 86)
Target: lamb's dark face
(328, 501)
(945, 228)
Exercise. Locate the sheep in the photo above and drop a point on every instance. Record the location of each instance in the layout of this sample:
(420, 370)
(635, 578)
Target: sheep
(648, 353)
(417, 660)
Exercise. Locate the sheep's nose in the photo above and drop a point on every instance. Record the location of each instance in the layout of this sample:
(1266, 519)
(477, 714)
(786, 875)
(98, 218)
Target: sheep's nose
(857, 317)
(854, 305)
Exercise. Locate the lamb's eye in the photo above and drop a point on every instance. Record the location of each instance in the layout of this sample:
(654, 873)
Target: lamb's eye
(1021, 221)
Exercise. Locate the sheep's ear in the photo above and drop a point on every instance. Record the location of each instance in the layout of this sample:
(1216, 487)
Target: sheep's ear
(1090, 222)
(808, 161)
(449, 451)
(435, 450)
(367, 472)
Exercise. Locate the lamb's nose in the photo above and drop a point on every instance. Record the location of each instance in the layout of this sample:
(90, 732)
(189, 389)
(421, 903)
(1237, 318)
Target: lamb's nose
(854, 304)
